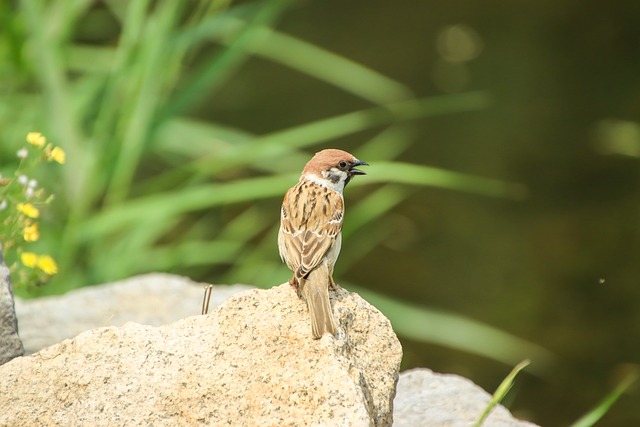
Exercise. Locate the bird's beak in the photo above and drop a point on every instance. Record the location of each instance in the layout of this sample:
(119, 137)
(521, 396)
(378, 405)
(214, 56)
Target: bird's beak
(354, 171)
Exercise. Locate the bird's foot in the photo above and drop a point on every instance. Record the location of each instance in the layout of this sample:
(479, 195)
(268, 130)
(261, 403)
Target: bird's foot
(293, 282)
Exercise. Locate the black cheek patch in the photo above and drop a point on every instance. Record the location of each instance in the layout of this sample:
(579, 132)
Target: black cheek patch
(333, 177)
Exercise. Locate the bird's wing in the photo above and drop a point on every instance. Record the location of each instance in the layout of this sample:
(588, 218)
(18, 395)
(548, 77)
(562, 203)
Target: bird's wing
(310, 223)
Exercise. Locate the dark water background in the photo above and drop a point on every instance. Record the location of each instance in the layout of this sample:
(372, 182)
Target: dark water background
(559, 268)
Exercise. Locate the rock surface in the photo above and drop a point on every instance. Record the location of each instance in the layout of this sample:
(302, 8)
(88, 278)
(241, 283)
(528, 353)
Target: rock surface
(251, 362)
(10, 344)
(151, 299)
(428, 399)
(423, 397)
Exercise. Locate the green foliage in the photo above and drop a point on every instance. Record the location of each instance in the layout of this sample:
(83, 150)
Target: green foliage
(149, 188)
(21, 201)
(593, 416)
(501, 391)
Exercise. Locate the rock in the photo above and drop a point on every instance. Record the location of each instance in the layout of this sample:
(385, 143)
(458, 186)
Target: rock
(425, 398)
(151, 299)
(10, 344)
(251, 362)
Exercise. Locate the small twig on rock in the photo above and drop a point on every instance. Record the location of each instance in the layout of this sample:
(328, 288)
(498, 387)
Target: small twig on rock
(207, 298)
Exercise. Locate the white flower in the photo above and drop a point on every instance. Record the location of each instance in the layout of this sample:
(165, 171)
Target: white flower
(29, 192)
(22, 153)
(3, 205)
(22, 180)
(32, 183)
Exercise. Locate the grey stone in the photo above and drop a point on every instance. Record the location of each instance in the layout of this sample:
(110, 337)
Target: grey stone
(425, 398)
(10, 344)
(151, 299)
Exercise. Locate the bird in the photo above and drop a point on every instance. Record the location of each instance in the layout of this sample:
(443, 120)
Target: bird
(310, 234)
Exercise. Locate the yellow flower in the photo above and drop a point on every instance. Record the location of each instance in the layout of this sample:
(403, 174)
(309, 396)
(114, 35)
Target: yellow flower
(29, 259)
(47, 264)
(28, 209)
(57, 155)
(37, 139)
(43, 262)
(30, 232)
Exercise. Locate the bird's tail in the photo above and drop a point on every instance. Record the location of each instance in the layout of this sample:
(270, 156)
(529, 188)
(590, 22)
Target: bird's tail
(315, 291)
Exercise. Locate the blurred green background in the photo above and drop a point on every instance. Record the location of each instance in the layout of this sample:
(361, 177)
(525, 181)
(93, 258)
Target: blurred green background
(500, 217)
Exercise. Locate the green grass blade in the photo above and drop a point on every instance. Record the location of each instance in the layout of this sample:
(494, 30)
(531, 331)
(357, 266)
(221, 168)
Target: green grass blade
(193, 139)
(592, 417)
(366, 242)
(220, 67)
(349, 123)
(279, 143)
(181, 201)
(329, 67)
(153, 55)
(457, 332)
(388, 144)
(189, 254)
(206, 196)
(90, 59)
(501, 392)
(405, 173)
(375, 205)
(304, 57)
(49, 66)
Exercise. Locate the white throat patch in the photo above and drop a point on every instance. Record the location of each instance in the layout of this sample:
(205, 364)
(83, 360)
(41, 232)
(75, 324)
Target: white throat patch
(337, 183)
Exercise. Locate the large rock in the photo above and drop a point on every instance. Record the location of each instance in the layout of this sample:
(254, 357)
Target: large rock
(425, 398)
(251, 362)
(152, 299)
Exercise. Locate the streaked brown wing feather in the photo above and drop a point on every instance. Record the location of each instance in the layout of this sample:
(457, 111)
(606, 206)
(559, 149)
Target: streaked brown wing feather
(310, 227)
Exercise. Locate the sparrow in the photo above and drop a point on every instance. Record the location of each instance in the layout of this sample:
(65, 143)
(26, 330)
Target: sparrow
(310, 234)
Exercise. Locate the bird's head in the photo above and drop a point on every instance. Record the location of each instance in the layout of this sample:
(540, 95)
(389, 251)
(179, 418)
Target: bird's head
(332, 168)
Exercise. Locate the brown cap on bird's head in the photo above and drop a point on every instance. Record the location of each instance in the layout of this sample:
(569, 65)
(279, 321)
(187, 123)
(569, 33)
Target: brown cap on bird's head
(333, 158)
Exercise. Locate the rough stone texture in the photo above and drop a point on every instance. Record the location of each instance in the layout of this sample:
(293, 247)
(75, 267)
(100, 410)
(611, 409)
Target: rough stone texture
(425, 398)
(251, 362)
(152, 299)
(10, 344)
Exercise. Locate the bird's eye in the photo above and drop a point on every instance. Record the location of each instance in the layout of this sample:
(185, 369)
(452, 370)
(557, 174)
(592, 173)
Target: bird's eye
(342, 164)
